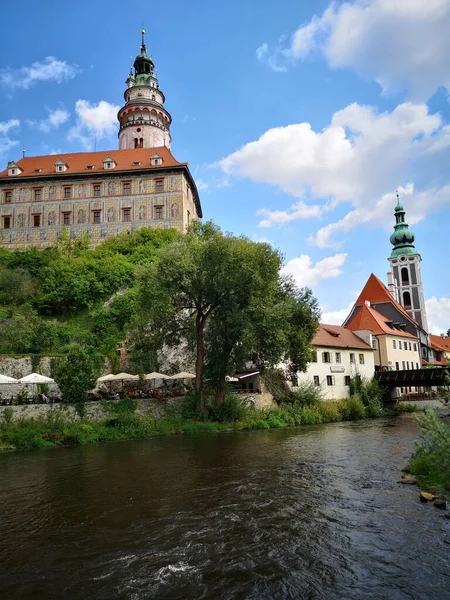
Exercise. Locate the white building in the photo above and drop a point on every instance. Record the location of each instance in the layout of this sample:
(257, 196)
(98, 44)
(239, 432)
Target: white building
(339, 355)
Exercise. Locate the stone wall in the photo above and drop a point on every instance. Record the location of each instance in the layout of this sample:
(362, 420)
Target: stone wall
(150, 407)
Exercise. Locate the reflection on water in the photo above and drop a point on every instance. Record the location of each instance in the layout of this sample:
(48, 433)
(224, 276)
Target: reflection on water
(310, 513)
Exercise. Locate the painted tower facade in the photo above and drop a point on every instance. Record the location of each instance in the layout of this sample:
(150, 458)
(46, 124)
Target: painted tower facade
(144, 122)
(405, 279)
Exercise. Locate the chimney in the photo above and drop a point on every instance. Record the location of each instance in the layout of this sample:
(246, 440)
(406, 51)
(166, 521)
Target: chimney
(391, 285)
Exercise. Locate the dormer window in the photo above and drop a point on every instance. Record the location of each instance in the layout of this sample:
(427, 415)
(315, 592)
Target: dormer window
(156, 160)
(136, 163)
(108, 163)
(13, 169)
(90, 167)
(37, 170)
(60, 166)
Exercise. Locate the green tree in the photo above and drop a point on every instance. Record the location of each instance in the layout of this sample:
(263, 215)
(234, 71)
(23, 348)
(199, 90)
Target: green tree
(75, 373)
(224, 296)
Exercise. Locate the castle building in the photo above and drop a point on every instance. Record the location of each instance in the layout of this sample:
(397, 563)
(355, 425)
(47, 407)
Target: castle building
(103, 193)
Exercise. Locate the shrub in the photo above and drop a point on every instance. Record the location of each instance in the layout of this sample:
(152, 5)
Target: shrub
(370, 394)
(8, 415)
(232, 409)
(191, 409)
(353, 409)
(432, 460)
(306, 394)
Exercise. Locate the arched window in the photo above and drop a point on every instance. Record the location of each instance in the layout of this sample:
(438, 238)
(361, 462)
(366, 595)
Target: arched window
(141, 142)
(136, 143)
(405, 275)
(407, 300)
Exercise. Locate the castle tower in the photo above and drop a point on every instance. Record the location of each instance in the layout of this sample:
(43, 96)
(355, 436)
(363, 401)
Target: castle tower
(405, 281)
(144, 122)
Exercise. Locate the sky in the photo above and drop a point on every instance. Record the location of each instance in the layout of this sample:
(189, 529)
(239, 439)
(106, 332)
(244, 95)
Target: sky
(299, 120)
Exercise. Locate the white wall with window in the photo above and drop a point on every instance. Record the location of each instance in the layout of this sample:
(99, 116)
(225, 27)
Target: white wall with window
(332, 368)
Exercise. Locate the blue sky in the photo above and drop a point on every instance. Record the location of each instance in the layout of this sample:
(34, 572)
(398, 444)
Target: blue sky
(299, 120)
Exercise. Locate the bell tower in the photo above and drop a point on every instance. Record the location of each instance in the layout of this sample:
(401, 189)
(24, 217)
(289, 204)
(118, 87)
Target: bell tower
(144, 122)
(405, 261)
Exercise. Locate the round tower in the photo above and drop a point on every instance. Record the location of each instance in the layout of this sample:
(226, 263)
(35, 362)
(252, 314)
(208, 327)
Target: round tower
(144, 122)
(405, 265)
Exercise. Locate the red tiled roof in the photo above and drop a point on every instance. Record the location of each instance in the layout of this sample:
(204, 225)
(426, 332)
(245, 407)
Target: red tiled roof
(440, 343)
(77, 162)
(377, 293)
(335, 336)
(370, 319)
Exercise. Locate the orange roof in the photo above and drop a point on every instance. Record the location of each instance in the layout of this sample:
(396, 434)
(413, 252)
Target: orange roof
(377, 293)
(370, 319)
(78, 162)
(442, 344)
(335, 336)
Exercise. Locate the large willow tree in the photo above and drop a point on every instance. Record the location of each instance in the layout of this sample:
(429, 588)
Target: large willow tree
(224, 296)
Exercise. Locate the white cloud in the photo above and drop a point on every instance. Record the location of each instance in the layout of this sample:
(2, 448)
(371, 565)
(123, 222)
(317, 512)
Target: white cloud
(261, 51)
(299, 210)
(50, 69)
(201, 185)
(438, 314)
(361, 157)
(305, 273)
(401, 44)
(55, 118)
(336, 317)
(6, 142)
(94, 120)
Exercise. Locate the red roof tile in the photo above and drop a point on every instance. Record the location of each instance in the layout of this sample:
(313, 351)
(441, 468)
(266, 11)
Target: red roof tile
(370, 319)
(376, 293)
(440, 343)
(77, 162)
(335, 336)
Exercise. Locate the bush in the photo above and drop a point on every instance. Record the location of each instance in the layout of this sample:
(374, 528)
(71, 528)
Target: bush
(306, 394)
(370, 394)
(192, 410)
(431, 463)
(232, 409)
(353, 409)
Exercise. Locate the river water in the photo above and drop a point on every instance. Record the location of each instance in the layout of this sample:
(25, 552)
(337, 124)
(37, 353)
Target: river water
(311, 513)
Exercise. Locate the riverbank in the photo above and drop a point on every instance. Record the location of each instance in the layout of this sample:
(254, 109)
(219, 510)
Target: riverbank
(123, 424)
(431, 463)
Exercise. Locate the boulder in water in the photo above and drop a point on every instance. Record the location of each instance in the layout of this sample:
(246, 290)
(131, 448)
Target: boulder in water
(408, 480)
(440, 503)
(426, 497)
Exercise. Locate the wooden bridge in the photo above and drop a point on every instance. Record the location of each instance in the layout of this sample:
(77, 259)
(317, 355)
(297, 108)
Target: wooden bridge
(437, 377)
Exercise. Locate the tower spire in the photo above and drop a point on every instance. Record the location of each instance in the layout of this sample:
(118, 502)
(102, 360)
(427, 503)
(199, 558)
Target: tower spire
(405, 267)
(144, 122)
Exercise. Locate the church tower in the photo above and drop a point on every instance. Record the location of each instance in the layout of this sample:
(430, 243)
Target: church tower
(144, 122)
(405, 279)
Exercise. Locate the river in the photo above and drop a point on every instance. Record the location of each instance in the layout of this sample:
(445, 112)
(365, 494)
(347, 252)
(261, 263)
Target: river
(306, 513)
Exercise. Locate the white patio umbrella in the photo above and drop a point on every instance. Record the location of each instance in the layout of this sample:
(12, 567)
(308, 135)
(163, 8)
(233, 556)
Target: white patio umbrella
(7, 379)
(105, 378)
(125, 377)
(36, 379)
(182, 375)
(154, 376)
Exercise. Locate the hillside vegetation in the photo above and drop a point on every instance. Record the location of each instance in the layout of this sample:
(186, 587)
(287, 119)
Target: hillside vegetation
(72, 294)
